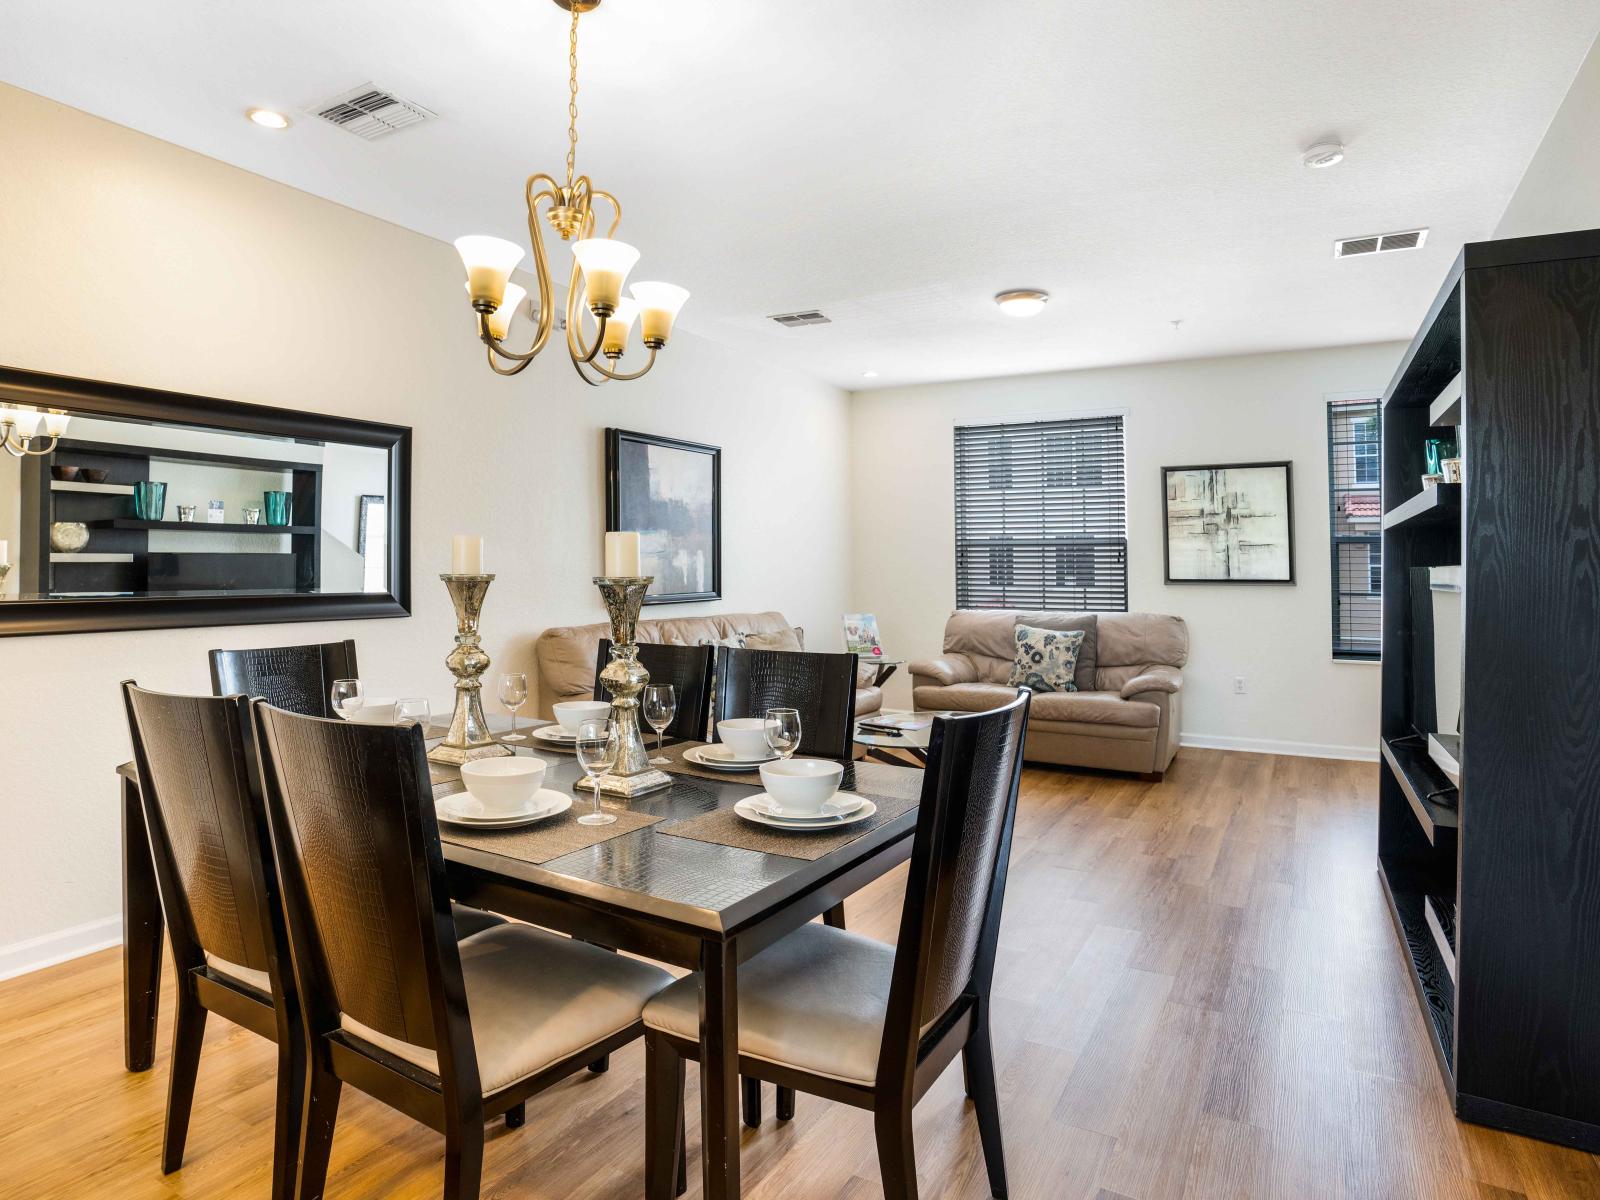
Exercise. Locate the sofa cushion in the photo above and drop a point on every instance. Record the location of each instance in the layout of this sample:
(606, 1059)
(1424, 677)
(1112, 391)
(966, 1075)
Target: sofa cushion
(1088, 653)
(782, 639)
(1095, 708)
(1046, 660)
(965, 697)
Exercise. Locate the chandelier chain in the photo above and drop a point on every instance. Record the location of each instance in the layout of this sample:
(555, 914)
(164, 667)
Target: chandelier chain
(572, 102)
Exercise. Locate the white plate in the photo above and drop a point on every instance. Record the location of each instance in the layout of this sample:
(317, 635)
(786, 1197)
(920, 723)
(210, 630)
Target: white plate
(553, 734)
(753, 813)
(456, 810)
(840, 804)
(720, 758)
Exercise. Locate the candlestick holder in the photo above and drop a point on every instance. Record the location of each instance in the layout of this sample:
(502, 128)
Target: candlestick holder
(624, 677)
(469, 736)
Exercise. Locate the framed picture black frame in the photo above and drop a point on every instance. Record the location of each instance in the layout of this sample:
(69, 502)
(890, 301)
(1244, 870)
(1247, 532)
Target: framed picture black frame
(619, 518)
(101, 614)
(1287, 468)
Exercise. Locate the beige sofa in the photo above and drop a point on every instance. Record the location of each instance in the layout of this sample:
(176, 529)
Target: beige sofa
(1125, 720)
(567, 654)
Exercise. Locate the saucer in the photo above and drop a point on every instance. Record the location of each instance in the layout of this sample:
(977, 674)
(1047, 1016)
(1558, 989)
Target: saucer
(751, 809)
(553, 735)
(457, 810)
(720, 758)
(840, 804)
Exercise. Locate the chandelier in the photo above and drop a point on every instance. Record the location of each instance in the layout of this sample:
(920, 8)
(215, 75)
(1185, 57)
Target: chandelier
(19, 430)
(600, 267)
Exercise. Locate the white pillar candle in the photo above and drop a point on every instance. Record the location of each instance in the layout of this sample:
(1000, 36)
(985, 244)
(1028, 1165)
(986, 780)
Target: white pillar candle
(466, 555)
(622, 555)
(5, 550)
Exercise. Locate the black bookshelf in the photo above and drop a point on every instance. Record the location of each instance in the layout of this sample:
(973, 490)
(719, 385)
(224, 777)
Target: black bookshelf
(1494, 885)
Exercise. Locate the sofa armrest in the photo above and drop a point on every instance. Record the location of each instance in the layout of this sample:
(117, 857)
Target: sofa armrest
(1153, 679)
(946, 670)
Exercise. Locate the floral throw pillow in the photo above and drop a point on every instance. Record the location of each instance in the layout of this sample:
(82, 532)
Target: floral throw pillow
(1046, 659)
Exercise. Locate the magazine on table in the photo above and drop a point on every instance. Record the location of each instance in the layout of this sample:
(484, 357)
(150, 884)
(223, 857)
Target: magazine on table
(861, 635)
(904, 723)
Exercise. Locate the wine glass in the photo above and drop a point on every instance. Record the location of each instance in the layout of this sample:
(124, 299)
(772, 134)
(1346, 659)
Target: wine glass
(345, 692)
(783, 731)
(514, 694)
(660, 706)
(414, 709)
(597, 754)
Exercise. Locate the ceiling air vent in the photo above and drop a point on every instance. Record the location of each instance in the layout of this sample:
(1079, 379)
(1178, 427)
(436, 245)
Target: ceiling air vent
(1379, 243)
(796, 319)
(370, 112)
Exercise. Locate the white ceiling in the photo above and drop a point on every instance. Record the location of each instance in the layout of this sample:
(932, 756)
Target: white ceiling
(895, 162)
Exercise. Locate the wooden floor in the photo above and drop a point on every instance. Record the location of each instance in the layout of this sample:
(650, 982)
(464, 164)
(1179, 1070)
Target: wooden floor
(1198, 995)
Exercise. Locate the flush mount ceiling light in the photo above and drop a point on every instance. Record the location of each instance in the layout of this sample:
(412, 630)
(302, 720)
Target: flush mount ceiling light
(600, 266)
(1022, 302)
(1323, 154)
(267, 119)
(869, 374)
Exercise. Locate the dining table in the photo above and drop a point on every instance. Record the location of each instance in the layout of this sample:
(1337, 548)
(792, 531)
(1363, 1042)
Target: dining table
(678, 878)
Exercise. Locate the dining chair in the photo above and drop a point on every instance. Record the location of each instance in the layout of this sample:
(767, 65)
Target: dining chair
(864, 1023)
(447, 1030)
(687, 668)
(298, 678)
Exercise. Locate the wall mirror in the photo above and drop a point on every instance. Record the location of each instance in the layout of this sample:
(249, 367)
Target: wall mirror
(129, 508)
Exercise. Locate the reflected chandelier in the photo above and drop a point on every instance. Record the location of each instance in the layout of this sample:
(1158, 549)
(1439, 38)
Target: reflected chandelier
(20, 430)
(600, 266)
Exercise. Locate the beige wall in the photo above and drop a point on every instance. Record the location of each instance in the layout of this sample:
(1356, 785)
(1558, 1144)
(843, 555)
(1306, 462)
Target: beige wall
(125, 258)
(1561, 188)
(1256, 408)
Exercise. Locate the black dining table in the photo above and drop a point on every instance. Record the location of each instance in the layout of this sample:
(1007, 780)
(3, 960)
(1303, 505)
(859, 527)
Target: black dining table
(690, 903)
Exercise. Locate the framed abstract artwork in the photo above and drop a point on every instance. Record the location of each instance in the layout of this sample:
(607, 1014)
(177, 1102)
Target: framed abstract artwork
(1232, 523)
(669, 492)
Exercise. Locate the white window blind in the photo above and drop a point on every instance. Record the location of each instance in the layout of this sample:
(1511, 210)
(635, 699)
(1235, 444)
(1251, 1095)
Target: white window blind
(1042, 516)
(1356, 515)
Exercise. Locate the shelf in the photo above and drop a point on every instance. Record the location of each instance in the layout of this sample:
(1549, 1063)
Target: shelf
(63, 559)
(1429, 977)
(98, 489)
(1437, 505)
(198, 527)
(1418, 777)
(1446, 407)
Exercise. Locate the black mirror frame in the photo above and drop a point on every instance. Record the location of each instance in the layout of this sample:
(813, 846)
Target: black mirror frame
(90, 397)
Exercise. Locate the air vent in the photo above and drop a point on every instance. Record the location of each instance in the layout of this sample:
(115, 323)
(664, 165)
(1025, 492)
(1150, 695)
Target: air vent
(370, 112)
(1379, 243)
(796, 319)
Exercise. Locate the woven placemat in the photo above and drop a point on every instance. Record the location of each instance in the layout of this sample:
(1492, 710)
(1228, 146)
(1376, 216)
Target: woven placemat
(548, 839)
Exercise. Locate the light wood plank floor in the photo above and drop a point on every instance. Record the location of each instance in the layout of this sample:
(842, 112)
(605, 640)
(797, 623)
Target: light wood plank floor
(1198, 995)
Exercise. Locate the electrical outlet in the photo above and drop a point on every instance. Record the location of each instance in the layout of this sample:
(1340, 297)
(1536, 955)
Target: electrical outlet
(1238, 685)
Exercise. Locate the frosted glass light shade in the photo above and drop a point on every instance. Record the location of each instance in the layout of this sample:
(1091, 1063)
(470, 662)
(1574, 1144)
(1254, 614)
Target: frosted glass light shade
(489, 262)
(26, 421)
(500, 319)
(605, 263)
(659, 305)
(618, 325)
(55, 423)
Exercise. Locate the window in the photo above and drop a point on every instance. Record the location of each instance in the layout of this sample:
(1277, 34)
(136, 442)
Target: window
(1041, 516)
(1355, 509)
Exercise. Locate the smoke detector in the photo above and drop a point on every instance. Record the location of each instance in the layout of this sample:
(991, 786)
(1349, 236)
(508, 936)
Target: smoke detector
(1379, 243)
(1323, 154)
(371, 112)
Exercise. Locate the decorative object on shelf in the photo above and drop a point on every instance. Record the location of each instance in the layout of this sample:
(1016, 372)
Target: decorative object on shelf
(277, 506)
(1435, 451)
(469, 738)
(1232, 523)
(215, 514)
(20, 430)
(624, 678)
(861, 635)
(69, 537)
(1429, 481)
(149, 500)
(600, 265)
(1452, 470)
(92, 474)
(64, 474)
(186, 513)
(670, 492)
(252, 516)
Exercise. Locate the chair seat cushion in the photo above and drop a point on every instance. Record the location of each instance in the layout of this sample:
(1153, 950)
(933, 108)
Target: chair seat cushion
(814, 1000)
(1096, 708)
(535, 998)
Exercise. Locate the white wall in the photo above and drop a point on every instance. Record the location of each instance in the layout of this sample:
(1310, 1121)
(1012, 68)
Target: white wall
(129, 259)
(1257, 408)
(1561, 188)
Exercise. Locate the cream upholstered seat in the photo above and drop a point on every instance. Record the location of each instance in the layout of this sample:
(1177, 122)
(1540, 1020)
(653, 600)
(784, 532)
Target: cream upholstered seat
(533, 999)
(814, 1000)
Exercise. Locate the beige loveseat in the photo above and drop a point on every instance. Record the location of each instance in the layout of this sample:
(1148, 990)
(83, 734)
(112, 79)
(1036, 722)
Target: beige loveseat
(567, 653)
(1126, 719)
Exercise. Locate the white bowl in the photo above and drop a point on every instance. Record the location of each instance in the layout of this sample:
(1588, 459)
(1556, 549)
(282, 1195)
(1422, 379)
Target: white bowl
(800, 787)
(746, 736)
(575, 712)
(369, 711)
(503, 785)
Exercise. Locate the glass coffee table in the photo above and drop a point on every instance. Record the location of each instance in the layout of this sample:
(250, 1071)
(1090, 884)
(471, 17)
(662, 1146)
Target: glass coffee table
(885, 666)
(882, 743)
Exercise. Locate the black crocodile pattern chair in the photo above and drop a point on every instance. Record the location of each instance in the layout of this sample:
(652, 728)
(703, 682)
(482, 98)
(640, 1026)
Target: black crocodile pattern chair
(298, 678)
(821, 686)
(686, 668)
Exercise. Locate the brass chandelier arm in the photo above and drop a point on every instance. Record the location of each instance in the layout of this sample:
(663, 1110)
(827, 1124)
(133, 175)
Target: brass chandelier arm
(19, 447)
(622, 377)
(518, 368)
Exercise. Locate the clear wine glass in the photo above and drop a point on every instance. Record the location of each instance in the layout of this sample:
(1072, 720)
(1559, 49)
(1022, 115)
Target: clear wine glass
(597, 754)
(345, 692)
(513, 694)
(660, 706)
(415, 709)
(783, 731)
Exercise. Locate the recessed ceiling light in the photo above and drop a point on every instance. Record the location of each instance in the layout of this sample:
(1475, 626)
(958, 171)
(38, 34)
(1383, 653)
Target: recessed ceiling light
(267, 119)
(1323, 154)
(1022, 302)
(869, 374)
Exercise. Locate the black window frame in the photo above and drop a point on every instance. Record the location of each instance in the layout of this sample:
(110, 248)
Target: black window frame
(1354, 638)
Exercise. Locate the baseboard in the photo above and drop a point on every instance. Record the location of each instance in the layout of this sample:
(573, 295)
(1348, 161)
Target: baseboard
(1211, 741)
(36, 953)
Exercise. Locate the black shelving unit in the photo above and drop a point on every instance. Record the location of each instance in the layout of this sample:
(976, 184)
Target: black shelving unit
(1496, 897)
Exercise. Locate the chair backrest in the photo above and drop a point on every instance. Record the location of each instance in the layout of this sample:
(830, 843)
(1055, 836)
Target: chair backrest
(296, 678)
(957, 878)
(364, 890)
(686, 668)
(821, 686)
(207, 828)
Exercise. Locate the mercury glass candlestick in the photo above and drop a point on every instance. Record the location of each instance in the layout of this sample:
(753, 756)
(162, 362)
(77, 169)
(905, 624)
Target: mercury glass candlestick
(469, 737)
(624, 678)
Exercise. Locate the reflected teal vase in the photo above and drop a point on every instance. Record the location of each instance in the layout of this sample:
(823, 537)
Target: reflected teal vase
(276, 505)
(150, 501)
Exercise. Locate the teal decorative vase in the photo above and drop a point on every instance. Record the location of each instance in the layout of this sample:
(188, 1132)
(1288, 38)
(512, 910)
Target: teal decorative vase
(277, 507)
(150, 500)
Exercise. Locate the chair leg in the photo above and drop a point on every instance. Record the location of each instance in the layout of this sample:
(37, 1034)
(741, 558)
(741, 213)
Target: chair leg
(978, 1061)
(517, 1116)
(897, 1156)
(463, 1160)
(188, 1032)
(752, 1102)
(291, 1101)
(316, 1130)
(665, 1171)
(601, 1065)
(785, 1104)
(834, 916)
